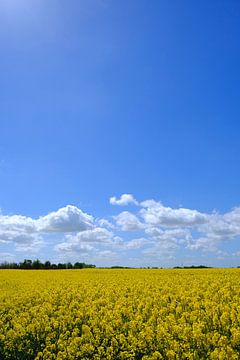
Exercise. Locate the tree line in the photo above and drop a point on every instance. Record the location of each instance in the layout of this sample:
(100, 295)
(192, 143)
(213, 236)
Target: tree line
(47, 265)
(193, 267)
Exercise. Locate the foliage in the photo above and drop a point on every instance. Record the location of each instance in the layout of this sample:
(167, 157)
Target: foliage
(120, 314)
(37, 264)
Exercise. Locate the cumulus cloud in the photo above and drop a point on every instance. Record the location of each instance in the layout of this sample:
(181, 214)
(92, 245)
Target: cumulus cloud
(26, 233)
(17, 237)
(105, 223)
(221, 227)
(162, 252)
(233, 216)
(206, 243)
(32, 246)
(150, 203)
(67, 219)
(74, 246)
(106, 254)
(155, 213)
(160, 235)
(128, 221)
(125, 199)
(85, 240)
(162, 231)
(166, 242)
(20, 231)
(98, 235)
(136, 243)
(17, 223)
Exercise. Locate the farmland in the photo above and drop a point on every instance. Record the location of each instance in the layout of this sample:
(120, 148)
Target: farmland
(120, 314)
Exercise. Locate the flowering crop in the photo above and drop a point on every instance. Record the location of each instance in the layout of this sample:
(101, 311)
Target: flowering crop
(120, 314)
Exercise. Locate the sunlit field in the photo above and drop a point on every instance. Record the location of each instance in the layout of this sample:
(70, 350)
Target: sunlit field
(120, 314)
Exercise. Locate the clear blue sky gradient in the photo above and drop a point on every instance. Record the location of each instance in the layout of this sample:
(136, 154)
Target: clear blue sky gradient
(100, 98)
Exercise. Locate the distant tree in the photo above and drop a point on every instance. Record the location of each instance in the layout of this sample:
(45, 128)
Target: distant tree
(47, 265)
(13, 266)
(61, 266)
(78, 265)
(90, 266)
(36, 264)
(5, 265)
(26, 264)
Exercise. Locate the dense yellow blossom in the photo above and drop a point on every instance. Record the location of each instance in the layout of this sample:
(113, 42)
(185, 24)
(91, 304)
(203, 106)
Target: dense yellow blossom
(120, 314)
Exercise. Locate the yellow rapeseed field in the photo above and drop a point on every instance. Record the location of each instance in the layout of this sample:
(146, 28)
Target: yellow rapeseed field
(120, 314)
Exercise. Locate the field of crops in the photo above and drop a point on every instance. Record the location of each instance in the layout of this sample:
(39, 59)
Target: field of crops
(120, 314)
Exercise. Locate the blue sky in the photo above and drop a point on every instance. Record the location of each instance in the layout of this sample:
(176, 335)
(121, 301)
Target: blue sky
(101, 98)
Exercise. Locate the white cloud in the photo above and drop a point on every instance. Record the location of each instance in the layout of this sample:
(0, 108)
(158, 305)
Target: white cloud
(124, 199)
(17, 223)
(86, 239)
(74, 246)
(150, 203)
(165, 242)
(128, 221)
(160, 252)
(221, 227)
(160, 235)
(16, 237)
(105, 223)
(98, 235)
(204, 243)
(67, 219)
(106, 254)
(30, 247)
(136, 243)
(233, 216)
(217, 229)
(26, 233)
(162, 231)
(158, 214)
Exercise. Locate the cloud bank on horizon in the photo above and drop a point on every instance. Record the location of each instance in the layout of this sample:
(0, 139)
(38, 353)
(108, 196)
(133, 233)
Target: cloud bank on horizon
(151, 234)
